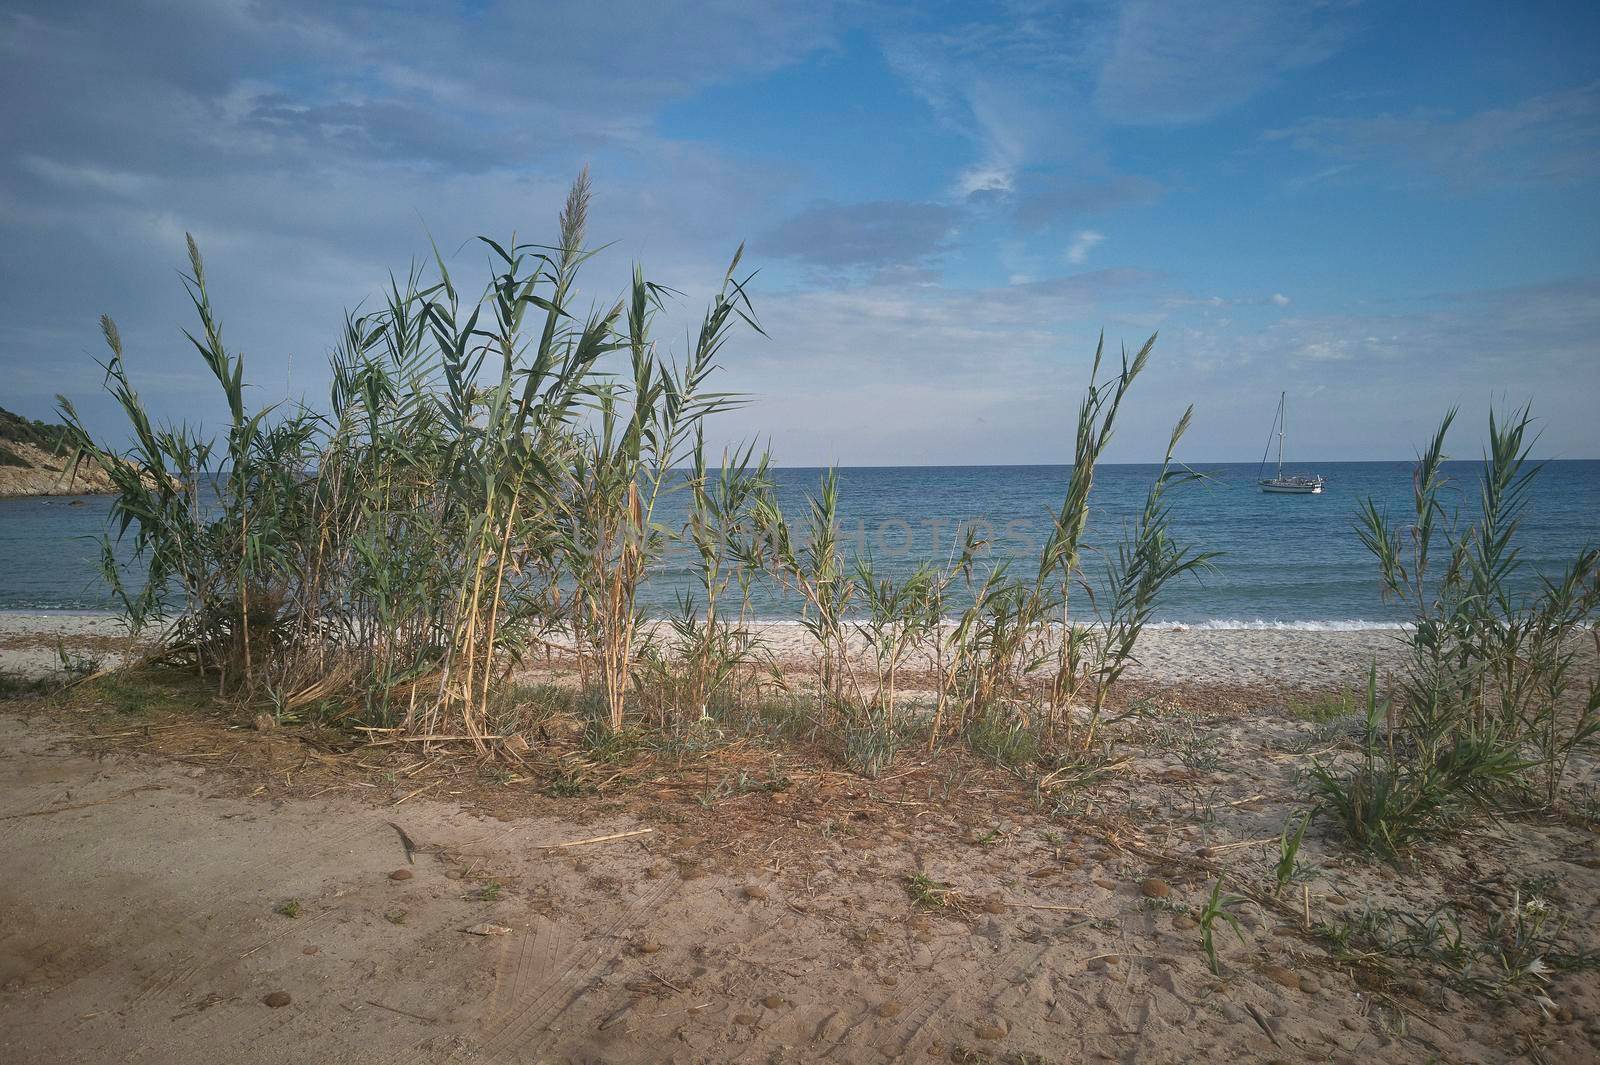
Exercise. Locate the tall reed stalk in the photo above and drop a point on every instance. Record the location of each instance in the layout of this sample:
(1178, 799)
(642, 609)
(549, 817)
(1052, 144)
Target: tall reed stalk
(1487, 671)
(397, 554)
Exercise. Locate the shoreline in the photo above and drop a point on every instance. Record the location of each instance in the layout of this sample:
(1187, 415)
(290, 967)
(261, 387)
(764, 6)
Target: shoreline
(1272, 656)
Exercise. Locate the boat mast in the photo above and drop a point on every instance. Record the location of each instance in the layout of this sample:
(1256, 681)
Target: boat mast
(1283, 419)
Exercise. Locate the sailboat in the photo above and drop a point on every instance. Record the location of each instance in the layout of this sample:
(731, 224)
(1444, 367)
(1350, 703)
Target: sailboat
(1294, 484)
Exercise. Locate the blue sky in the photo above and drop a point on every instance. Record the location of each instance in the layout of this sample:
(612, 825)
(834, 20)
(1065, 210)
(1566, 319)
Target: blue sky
(1383, 209)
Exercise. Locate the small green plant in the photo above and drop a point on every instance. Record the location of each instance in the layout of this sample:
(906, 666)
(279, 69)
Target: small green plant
(1513, 957)
(75, 666)
(1201, 754)
(1008, 742)
(290, 909)
(489, 892)
(570, 782)
(930, 894)
(869, 748)
(1217, 906)
(1520, 953)
(395, 917)
(1288, 868)
(1326, 707)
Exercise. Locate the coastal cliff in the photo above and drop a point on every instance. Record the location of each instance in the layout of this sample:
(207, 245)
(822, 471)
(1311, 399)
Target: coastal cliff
(34, 461)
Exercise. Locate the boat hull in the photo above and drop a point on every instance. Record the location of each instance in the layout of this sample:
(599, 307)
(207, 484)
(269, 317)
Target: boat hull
(1292, 489)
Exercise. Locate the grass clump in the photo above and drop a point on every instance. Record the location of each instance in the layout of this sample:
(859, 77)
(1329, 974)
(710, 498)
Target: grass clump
(1511, 954)
(1488, 670)
(1396, 796)
(1326, 707)
(15, 684)
(1006, 741)
(930, 894)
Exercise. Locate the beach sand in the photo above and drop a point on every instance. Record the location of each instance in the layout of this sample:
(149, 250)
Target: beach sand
(152, 858)
(741, 902)
(1306, 659)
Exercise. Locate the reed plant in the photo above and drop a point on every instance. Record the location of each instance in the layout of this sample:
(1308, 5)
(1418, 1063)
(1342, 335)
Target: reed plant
(400, 552)
(488, 482)
(1486, 665)
(1489, 708)
(1014, 637)
(1053, 627)
(814, 565)
(626, 462)
(709, 644)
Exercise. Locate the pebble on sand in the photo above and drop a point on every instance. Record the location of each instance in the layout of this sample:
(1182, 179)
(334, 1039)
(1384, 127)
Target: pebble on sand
(1155, 888)
(1286, 977)
(755, 891)
(401, 874)
(277, 999)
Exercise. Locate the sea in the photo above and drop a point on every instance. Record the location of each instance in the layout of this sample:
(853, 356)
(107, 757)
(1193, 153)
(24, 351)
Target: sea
(1282, 561)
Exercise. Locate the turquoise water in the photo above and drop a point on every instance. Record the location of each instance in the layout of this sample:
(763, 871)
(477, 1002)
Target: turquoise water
(1286, 560)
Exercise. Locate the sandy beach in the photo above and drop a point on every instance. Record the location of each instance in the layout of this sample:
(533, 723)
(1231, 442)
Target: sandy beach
(186, 888)
(1307, 659)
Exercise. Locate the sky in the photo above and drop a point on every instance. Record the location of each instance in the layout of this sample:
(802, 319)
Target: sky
(1382, 209)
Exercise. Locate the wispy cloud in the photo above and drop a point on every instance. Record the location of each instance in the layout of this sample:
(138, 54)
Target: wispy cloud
(1083, 242)
(884, 233)
(1553, 138)
(1048, 198)
(1175, 61)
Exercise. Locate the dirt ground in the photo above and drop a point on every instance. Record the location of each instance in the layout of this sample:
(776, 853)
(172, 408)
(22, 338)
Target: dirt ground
(167, 876)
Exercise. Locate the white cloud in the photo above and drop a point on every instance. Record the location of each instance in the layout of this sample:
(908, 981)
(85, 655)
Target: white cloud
(1082, 244)
(983, 178)
(1280, 299)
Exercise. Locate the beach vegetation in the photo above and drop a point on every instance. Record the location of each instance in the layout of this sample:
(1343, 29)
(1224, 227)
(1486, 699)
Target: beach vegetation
(1398, 795)
(485, 487)
(1219, 906)
(1323, 708)
(1512, 951)
(1288, 867)
(1491, 703)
